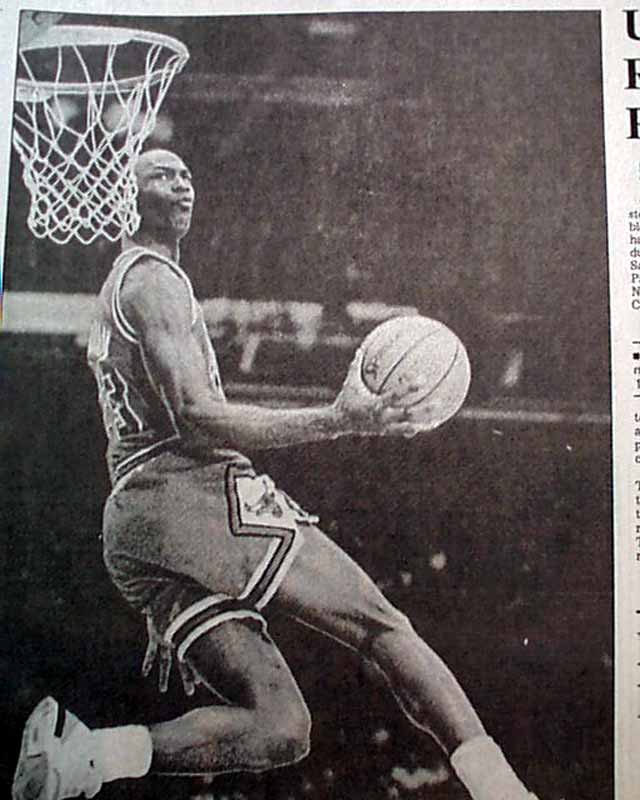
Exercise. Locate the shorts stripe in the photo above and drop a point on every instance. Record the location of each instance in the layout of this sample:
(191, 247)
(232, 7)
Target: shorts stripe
(204, 615)
(125, 467)
(281, 552)
(188, 613)
(258, 575)
(213, 622)
(278, 575)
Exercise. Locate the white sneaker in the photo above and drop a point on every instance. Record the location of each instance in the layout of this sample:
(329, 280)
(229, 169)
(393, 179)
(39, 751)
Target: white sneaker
(56, 757)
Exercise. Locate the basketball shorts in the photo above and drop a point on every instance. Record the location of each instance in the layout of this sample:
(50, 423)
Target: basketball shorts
(194, 545)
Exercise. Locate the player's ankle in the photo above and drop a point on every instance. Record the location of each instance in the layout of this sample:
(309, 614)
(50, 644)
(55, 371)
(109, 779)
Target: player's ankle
(485, 772)
(123, 752)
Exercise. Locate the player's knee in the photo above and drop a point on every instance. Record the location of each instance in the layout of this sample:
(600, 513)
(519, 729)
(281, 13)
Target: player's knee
(288, 747)
(287, 733)
(393, 630)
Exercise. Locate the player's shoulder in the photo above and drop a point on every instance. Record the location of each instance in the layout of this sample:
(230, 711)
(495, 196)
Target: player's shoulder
(153, 287)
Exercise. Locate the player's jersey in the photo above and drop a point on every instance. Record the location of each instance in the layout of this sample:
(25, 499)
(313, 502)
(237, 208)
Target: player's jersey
(138, 419)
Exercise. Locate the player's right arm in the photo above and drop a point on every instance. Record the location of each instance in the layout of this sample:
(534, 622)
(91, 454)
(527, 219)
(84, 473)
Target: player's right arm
(157, 303)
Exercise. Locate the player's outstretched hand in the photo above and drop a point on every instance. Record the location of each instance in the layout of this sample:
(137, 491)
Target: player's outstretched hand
(161, 651)
(364, 413)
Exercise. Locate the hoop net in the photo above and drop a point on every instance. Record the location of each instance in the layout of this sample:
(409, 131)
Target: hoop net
(86, 100)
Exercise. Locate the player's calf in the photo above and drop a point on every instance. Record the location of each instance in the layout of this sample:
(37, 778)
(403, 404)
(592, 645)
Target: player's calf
(218, 739)
(433, 700)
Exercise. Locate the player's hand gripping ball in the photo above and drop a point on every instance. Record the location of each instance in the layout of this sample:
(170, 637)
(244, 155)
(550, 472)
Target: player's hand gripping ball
(421, 364)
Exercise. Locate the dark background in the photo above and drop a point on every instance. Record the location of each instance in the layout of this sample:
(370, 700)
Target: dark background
(452, 162)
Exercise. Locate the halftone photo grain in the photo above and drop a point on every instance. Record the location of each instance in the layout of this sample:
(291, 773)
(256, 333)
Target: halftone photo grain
(306, 385)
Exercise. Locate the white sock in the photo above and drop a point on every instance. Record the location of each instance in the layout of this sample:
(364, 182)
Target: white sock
(123, 752)
(486, 774)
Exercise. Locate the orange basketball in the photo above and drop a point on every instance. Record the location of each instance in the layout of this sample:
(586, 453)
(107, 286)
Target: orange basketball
(408, 352)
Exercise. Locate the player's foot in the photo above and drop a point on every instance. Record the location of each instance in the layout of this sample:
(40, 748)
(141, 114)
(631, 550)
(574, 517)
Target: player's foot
(57, 758)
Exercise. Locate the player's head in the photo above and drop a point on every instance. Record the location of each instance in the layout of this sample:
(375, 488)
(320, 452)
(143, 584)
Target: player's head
(165, 194)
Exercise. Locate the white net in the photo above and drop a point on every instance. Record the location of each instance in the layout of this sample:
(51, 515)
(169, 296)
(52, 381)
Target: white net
(86, 100)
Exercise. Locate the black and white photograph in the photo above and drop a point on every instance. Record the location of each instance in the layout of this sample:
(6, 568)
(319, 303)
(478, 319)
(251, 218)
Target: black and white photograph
(306, 407)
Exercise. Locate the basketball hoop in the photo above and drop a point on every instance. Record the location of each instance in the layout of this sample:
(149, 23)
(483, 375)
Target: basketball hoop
(86, 100)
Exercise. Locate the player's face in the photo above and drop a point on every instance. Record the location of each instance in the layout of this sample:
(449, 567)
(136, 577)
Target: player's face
(165, 193)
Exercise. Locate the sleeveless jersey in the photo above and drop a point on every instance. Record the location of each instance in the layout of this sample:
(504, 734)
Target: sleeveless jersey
(137, 417)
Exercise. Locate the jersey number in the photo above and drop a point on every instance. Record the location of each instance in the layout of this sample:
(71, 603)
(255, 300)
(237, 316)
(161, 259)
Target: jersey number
(113, 391)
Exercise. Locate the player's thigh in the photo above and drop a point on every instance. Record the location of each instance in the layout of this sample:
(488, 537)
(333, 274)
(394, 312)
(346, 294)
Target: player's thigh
(327, 590)
(240, 662)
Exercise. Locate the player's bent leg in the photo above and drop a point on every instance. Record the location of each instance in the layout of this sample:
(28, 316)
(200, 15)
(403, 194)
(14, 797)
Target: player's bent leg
(265, 722)
(326, 590)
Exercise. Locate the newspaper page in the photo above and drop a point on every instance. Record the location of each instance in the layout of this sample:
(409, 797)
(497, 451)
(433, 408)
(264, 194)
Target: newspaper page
(348, 293)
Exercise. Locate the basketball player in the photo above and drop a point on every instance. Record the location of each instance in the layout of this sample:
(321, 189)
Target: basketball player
(201, 544)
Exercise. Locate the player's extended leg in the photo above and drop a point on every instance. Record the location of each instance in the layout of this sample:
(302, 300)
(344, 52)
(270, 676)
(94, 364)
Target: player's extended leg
(265, 723)
(326, 590)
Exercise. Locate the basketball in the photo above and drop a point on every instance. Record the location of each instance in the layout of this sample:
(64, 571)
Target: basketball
(408, 352)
